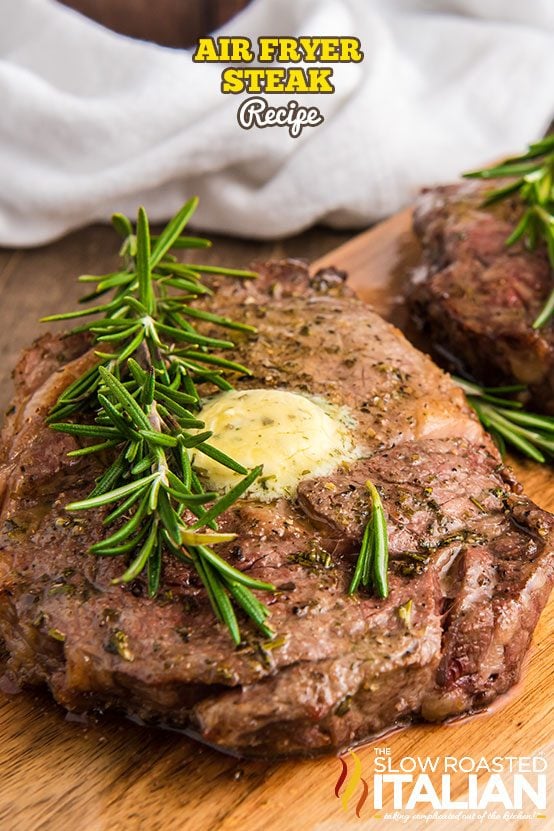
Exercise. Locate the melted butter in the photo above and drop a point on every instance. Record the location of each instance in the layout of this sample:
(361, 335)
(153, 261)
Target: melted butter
(291, 435)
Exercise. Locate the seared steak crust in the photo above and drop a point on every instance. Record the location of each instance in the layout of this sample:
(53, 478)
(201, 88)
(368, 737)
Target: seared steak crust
(477, 298)
(471, 558)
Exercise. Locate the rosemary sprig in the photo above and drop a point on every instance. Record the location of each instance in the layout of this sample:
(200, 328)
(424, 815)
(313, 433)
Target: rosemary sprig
(509, 423)
(372, 562)
(533, 174)
(140, 403)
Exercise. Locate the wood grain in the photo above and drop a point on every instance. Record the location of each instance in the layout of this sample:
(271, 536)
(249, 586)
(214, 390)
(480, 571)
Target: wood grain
(108, 774)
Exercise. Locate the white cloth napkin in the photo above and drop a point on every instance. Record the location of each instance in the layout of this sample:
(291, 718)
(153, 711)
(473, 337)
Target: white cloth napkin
(92, 122)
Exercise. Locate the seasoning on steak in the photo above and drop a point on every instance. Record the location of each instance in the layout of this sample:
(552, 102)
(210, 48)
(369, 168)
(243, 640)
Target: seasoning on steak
(471, 558)
(477, 298)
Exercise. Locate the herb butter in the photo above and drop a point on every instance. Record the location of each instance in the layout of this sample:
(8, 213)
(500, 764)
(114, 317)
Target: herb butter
(291, 435)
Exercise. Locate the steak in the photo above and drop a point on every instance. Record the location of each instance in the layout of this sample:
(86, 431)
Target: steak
(471, 558)
(476, 298)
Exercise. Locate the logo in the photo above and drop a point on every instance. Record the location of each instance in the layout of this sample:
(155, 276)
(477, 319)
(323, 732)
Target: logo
(464, 788)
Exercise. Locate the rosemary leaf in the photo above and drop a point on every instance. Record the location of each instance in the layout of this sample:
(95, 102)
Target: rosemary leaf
(188, 242)
(125, 531)
(116, 418)
(110, 477)
(160, 439)
(93, 448)
(372, 563)
(231, 496)
(131, 348)
(363, 557)
(225, 322)
(202, 571)
(529, 433)
(143, 262)
(194, 337)
(169, 517)
(122, 225)
(111, 496)
(233, 573)
(87, 430)
(196, 538)
(108, 307)
(127, 401)
(123, 508)
(154, 569)
(547, 310)
(222, 458)
(142, 557)
(251, 605)
(229, 272)
(204, 358)
(184, 285)
(123, 548)
(380, 543)
(172, 231)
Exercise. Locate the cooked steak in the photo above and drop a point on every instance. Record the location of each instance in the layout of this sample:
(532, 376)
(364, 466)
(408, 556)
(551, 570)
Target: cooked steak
(477, 298)
(471, 559)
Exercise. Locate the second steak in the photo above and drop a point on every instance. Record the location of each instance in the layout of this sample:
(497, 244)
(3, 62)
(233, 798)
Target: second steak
(477, 298)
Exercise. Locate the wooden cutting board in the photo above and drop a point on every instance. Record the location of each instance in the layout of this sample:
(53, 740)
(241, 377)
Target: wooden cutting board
(108, 774)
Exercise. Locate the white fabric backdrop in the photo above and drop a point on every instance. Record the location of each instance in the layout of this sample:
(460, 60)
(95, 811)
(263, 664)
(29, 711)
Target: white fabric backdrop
(92, 122)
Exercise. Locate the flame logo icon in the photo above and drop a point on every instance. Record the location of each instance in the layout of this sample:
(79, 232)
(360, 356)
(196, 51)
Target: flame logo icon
(352, 780)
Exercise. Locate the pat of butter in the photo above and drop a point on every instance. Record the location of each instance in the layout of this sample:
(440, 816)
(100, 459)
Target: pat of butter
(291, 435)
